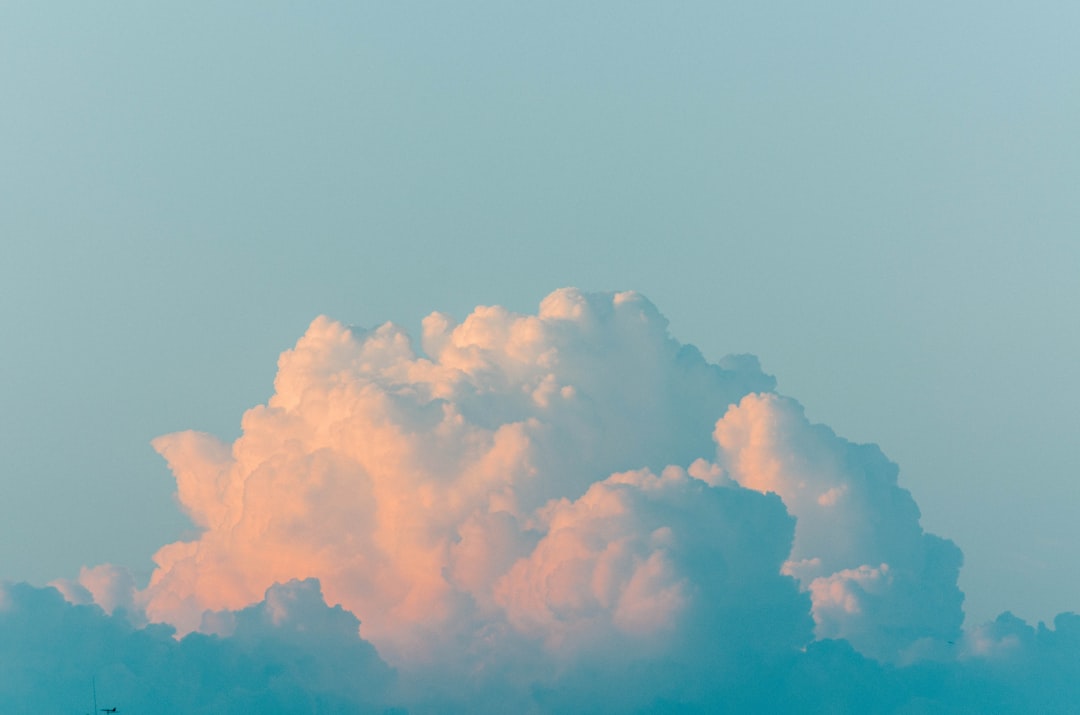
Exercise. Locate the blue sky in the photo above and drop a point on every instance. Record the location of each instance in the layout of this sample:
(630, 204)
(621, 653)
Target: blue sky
(879, 202)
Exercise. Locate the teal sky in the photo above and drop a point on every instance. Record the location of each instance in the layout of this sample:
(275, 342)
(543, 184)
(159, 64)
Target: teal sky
(881, 202)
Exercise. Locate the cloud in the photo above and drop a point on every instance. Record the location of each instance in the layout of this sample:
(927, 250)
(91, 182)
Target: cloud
(376, 468)
(875, 577)
(288, 653)
(638, 554)
(109, 586)
(292, 653)
(562, 512)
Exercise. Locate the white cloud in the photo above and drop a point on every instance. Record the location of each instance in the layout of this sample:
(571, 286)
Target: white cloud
(875, 577)
(372, 466)
(561, 512)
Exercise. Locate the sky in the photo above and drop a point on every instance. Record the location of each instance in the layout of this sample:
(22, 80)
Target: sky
(880, 203)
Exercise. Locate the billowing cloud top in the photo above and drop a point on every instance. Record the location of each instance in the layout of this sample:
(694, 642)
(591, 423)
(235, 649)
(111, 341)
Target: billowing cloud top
(423, 490)
(549, 509)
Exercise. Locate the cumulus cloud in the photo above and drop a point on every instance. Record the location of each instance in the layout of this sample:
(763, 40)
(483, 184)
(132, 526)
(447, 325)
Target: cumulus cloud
(292, 653)
(289, 653)
(875, 577)
(109, 586)
(381, 470)
(640, 561)
(562, 512)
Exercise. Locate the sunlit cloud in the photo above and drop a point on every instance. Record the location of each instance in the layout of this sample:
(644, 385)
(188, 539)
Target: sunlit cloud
(554, 512)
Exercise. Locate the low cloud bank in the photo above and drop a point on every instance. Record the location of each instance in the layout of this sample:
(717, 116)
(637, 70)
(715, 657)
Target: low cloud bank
(289, 653)
(567, 511)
